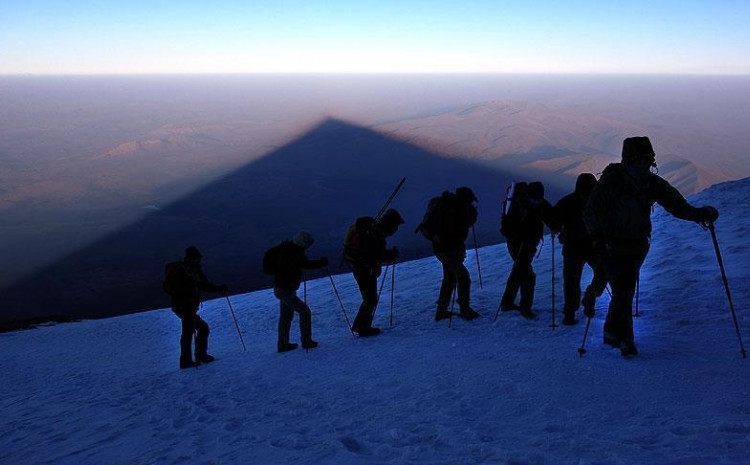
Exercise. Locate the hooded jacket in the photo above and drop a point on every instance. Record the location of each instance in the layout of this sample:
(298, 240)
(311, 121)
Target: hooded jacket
(619, 208)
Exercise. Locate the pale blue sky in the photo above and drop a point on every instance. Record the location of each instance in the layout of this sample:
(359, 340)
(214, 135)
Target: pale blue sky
(383, 36)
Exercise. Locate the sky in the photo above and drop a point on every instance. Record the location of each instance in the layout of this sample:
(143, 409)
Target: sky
(366, 36)
(510, 391)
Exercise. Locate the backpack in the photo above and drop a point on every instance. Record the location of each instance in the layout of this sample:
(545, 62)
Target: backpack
(512, 213)
(353, 239)
(272, 259)
(439, 211)
(174, 278)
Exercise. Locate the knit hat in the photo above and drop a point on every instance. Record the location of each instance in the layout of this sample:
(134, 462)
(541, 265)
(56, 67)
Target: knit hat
(637, 148)
(535, 190)
(192, 253)
(391, 217)
(585, 183)
(303, 239)
(466, 194)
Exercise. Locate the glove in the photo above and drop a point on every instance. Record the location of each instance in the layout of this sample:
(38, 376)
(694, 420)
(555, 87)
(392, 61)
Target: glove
(324, 261)
(223, 288)
(707, 214)
(589, 312)
(395, 252)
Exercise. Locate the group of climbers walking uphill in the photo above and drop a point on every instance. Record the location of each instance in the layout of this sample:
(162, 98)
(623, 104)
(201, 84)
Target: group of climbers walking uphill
(603, 223)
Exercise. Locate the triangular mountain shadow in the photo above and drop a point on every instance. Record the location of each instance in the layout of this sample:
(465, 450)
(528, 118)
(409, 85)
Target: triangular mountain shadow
(319, 182)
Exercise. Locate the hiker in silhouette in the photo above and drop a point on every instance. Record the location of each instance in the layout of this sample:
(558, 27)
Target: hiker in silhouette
(523, 228)
(618, 218)
(184, 282)
(577, 250)
(446, 224)
(365, 252)
(290, 261)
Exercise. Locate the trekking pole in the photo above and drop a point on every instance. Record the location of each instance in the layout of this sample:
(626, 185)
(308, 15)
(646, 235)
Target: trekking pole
(382, 283)
(637, 295)
(304, 287)
(393, 286)
(453, 302)
(499, 306)
(476, 251)
(582, 350)
(390, 199)
(553, 325)
(226, 294)
(726, 286)
(341, 304)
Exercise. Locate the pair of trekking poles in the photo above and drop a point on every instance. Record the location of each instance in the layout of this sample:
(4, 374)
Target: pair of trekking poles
(710, 226)
(385, 273)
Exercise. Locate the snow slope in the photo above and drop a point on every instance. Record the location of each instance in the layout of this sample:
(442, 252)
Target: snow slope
(511, 391)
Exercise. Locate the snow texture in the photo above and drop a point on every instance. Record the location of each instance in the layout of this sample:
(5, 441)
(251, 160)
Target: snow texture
(506, 391)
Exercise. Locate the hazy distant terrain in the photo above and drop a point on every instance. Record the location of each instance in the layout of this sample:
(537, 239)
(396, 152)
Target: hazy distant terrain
(106, 178)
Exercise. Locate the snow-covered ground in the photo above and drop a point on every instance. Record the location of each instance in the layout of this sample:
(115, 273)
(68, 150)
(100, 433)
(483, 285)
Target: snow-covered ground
(511, 391)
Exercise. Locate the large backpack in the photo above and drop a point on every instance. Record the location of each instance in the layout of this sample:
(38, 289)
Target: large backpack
(354, 236)
(175, 279)
(272, 259)
(512, 215)
(440, 210)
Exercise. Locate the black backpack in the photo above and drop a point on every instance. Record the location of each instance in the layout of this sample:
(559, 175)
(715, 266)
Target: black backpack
(440, 211)
(272, 259)
(175, 279)
(353, 239)
(512, 214)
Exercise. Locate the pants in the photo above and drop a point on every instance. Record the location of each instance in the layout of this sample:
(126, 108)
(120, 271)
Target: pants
(622, 272)
(455, 276)
(521, 276)
(288, 304)
(191, 323)
(367, 281)
(573, 262)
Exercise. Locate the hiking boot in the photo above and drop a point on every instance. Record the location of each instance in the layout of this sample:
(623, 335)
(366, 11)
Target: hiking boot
(204, 358)
(188, 364)
(569, 320)
(442, 315)
(527, 313)
(628, 349)
(309, 344)
(610, 339)
(468, 314)
(286, 347)
(367, 332)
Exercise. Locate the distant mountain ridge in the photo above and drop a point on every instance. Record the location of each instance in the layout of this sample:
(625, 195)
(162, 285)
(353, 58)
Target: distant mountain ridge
(521, 136)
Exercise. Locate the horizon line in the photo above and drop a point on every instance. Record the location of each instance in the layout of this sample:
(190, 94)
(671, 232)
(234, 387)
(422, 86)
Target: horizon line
(376, 73)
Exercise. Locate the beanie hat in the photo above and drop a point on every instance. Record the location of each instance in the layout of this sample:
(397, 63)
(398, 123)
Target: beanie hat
(536, 190)
(192, 253)
(391, 217)
(585, 183)
(466, 194)
(637, 148)
(303, 239)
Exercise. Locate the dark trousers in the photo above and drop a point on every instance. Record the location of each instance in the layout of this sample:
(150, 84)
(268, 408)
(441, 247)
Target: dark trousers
(367, 281)
(521, 276)
(192, 323)
(455, 276)
(622, 272)
(573, 262)
(288, 304)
